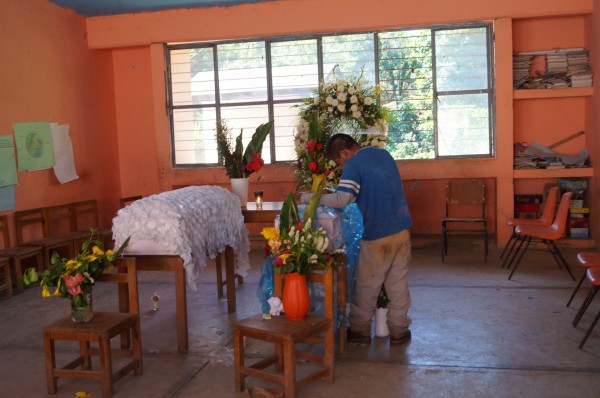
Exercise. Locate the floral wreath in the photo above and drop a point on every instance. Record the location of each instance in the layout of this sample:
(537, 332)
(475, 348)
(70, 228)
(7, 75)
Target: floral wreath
(337, 106)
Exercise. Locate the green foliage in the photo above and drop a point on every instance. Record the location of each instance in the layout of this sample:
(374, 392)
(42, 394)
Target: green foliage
(239, 163)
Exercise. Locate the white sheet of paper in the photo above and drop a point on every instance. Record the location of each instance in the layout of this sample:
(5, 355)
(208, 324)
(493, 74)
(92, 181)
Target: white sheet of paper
(64, 168)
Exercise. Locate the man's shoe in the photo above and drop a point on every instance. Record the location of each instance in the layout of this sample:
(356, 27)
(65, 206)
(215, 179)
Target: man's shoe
(400, 340)
(357, 338)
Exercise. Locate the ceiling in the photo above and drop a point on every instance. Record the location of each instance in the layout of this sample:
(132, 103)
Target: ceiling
(93, 8)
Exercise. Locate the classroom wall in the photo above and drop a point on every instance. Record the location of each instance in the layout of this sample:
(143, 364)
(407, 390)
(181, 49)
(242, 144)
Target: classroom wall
(425, 179)
(105, 76)
(48, 73)
(593, 33)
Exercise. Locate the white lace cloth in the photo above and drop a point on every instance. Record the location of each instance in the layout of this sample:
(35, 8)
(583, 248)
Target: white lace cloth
(193, 222)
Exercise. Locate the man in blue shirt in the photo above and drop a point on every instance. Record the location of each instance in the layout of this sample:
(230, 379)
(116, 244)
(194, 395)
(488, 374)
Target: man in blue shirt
(370, 177)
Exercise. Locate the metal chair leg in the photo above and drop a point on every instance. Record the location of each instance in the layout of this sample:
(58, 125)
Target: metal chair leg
(562, 259)
(508, 244)
(576, 288)
(589, 331)
(586, 303)
(521, 253)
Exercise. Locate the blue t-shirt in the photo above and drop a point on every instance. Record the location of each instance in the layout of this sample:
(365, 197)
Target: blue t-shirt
(372, 176)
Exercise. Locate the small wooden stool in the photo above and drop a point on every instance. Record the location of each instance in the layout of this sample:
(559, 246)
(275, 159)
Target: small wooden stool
(101, 330)
(284, 334)
(586, 260)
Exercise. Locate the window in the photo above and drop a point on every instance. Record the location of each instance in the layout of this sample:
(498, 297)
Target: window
(437, 83)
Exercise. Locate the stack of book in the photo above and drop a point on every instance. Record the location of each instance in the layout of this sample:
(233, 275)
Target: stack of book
(521, 65)
(564, 67)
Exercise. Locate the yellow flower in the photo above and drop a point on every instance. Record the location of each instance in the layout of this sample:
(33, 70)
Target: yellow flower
(110, 253)
(270, 233)
(82, 394)
(284, 257)
(97, 251)
(91, 258)
(45, 292)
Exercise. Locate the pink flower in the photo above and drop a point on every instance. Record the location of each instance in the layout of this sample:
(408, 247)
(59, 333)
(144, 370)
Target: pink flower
(73, 284)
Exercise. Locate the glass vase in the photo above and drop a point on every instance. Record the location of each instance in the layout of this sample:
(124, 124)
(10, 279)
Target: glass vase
(81, 307)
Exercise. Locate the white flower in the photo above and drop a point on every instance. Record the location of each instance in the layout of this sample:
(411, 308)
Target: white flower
(329, 100)
(381, 144)
(334, 103)
(354, 99)
(341, 88)
(356, 114)
(359, 87)
(354, 108)
(316, 101)
(313, 259)
(341, 108)
(351, 90)
(330, 109)
(368, 100)
(342, 97)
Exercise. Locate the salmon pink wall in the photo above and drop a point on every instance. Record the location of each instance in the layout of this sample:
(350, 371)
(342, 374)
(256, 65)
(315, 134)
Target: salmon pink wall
(135, 121)
(425, 179)
(593, 35)
(48, 73)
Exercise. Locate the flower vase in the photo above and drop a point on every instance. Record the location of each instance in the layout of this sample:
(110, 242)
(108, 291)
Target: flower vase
(239, 186)
(81, 307)
(381, 327)
(296, 300)
(316, 180)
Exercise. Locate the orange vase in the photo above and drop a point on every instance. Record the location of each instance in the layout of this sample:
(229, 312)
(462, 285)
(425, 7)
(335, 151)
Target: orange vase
(296, 300)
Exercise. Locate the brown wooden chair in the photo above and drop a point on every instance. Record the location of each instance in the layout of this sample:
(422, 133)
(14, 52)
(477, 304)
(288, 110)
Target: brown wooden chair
(286, 334)
(100, 330)
(36, 220)
(62, 223)
(6, 284)
(461, 197)
(16, 254)
(86, 217)
(128, 200)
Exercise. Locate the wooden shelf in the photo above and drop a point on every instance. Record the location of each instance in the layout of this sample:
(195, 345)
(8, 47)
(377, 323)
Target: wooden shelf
(554, 173)
(569, 92)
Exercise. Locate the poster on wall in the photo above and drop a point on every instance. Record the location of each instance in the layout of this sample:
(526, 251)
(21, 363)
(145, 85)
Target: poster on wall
(7, 198)
(35, 150)
(64, 167)
(8, 164)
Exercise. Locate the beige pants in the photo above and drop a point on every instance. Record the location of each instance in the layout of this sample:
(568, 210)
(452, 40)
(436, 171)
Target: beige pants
(382, 262)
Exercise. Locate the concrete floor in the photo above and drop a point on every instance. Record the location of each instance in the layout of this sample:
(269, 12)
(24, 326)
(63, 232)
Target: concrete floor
(475, 334)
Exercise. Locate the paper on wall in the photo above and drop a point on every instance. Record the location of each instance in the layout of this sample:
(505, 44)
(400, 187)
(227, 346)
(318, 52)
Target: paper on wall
(64, 167)
(8, 163)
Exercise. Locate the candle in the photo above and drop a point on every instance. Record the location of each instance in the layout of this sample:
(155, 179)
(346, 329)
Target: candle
(258, 197)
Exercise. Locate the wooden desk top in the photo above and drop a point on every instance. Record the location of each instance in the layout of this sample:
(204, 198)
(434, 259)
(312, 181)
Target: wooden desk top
(267, 214)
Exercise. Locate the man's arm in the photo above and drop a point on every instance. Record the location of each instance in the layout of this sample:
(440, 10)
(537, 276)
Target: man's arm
(337, 199)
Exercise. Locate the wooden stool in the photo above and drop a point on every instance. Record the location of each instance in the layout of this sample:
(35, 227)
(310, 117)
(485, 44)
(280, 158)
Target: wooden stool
(7, 285)
(285, 334)
(586, 260)
(101, 330)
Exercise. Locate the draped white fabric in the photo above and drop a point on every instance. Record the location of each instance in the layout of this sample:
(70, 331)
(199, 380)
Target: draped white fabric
(194, 222)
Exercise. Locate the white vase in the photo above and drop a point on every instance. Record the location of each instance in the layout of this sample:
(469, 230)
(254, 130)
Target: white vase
(239, 186)
(381, 327)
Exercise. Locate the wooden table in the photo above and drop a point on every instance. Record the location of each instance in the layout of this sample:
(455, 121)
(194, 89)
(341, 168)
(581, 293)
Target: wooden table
(267, 214)
(174, 264)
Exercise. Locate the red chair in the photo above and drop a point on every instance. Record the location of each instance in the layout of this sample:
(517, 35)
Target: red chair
(547, 235)
(587, 260)
(593, 274)
(544, 221)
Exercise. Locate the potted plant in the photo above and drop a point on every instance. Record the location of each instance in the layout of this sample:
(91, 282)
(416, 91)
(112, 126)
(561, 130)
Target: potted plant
(239, 163)
(74, 278)
(381, 328)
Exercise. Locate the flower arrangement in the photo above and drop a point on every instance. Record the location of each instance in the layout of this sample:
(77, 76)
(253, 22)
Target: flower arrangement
(240, 163)
(296, 246)
(336, 106)
(73, 277)
(309, 142)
